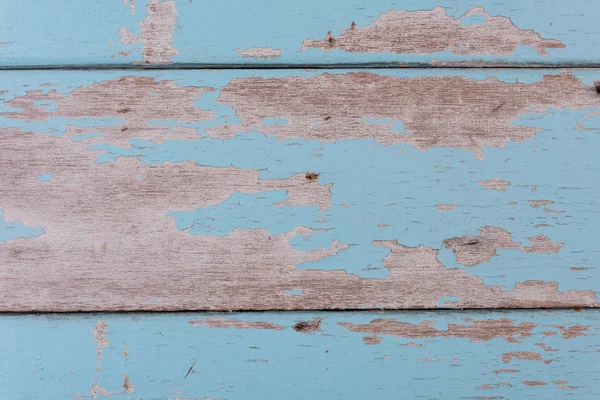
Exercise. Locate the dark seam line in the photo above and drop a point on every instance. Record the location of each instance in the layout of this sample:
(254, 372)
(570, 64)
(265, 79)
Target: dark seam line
(304, 311)
(194, 66)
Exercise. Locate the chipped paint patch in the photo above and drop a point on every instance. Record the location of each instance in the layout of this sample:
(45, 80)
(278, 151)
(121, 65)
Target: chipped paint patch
(411, 32)
(494, 184)
(572, 331)
(446, 207)
(127, 384)
(474, 250)
(337, 99)
(542, 244)
(234, 323)
(563, 385)
(505, 371)
(371, 340)
(96, 390)
(543, 204)
(579, 268)
(524, 355)
(260, 52)
(127, 104)
(99, 334)
(477, 332)
(535, 383)
(539, 203)
(157, 32)
(546, 347)
(131, 5)
(489, 386)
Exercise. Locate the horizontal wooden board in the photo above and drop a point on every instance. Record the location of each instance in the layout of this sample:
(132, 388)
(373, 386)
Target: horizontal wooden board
(272, 32)
(220, 190)
(295, 355)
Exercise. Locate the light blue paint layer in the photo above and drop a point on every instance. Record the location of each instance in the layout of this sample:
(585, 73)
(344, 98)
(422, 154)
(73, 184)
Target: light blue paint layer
(47, 105)
(45, 177)
(473, 20)
(55, 357)
(293, 292)
(443, 302)
(246, 211)
(270, 121)
(16, 230)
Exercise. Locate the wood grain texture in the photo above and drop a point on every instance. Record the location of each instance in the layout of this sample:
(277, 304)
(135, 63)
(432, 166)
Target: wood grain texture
(434, 32)
(242, 190)
(295, 355)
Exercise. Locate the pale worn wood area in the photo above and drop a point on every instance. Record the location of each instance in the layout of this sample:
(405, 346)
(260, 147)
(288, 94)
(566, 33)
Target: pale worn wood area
(270, 32)
(290, 190)
(295, 355)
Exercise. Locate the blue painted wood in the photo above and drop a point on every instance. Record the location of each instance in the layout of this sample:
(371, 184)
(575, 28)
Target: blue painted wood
(298, 189)
(433, 355)
(126, 32)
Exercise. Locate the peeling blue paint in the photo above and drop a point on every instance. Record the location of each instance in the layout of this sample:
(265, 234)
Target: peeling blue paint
(443, 302)
(246, 211)
(293, 292)
(334, 363)
(473, 20)
(274, 121)
(45, 177)
(16, 230)
(47, 105)
(379, 186)
(211, 33)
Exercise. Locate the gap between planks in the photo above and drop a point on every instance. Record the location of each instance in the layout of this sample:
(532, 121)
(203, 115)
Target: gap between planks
(280, 310)
(350, 66)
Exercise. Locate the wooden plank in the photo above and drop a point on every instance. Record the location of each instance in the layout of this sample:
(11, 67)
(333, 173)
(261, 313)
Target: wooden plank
(294, 355)
(271, 32)
(219, 190)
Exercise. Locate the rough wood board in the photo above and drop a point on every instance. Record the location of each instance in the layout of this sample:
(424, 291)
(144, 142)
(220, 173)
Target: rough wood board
(293, 355)
(190, 190)
(435, 32)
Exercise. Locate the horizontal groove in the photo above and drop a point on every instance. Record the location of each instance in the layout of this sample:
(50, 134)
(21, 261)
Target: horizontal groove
(196, 66)
(276, 310)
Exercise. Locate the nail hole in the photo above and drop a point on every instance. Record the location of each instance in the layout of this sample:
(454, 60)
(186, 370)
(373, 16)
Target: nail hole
(308, 326)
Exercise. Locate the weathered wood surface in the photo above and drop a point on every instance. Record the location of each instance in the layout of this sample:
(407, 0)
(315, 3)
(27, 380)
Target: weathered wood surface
(437, 32)
(191, 190)
(410, 355)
